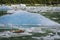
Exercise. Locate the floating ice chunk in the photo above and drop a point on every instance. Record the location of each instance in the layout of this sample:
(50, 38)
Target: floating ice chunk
(4, 8)
(26, 18)
(8, 34)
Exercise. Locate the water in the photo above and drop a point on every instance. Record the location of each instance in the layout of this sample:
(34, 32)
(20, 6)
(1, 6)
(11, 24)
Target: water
(52, 15)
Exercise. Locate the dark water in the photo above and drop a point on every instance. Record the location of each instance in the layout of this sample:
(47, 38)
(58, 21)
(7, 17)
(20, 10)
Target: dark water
(52, 15)
(18, 38)
(25, 37)
(3, 13)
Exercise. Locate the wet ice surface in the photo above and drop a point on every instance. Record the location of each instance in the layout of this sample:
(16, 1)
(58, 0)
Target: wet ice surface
(4, 8)
(26, 18)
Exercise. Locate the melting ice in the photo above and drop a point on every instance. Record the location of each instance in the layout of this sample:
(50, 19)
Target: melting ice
(26, 18)
(4, 8)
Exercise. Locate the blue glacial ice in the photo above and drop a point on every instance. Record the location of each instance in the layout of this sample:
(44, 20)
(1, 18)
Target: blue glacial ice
(5, 8)
(26, 18)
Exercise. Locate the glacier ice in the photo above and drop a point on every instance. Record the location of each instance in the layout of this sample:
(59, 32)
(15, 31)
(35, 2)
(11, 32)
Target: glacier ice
(26, 18)
(5, 8)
